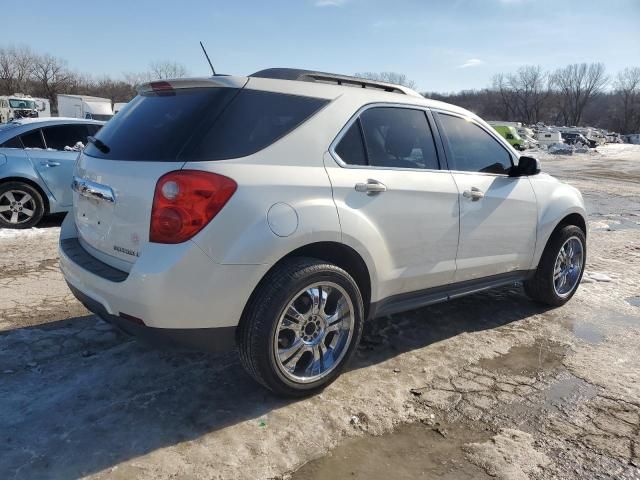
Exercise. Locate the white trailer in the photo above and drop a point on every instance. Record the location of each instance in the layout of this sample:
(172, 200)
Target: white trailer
(84, 106)
(43, 106)
(547, 137)
(118, 106)
(500, 123)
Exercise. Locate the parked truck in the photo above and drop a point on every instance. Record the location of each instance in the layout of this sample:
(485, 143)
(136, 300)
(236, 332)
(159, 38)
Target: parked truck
(118, 106)
(84, 106)
(43, 106)
(13, 107)
(511, 135)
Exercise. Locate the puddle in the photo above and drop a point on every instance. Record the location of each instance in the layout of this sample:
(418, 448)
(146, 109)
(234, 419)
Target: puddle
(569, 389)
(587, 332)
(621, 319)
(635, 301)
(412, 451)
(527, 359)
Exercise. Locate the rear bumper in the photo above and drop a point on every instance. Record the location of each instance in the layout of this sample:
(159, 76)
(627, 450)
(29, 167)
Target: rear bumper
(221, 339)
(169, 287)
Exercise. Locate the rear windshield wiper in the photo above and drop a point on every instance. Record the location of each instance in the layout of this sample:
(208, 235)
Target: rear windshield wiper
(100, 145)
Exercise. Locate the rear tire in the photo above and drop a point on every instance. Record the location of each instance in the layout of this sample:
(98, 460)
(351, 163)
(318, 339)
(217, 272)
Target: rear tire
(301, 327)
(547, 286)
(21, 205)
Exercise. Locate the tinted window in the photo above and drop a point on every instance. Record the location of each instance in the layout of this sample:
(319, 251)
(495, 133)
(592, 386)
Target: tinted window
(60, 136)
(156, 126)
(351, 147)
(12, 143)
(253, 121)
(33, 139)
(472, 149)
(201, 124)
(93, 129)
(398, 137)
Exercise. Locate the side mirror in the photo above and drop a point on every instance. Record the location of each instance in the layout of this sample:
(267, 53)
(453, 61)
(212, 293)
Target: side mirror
(526, 166)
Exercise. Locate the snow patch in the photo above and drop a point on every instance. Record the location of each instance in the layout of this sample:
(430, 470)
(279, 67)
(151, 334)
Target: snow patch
(29, 232)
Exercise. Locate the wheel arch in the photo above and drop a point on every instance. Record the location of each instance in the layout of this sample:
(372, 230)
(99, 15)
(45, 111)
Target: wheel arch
(576, 218)
(31, 183)
(338, 254)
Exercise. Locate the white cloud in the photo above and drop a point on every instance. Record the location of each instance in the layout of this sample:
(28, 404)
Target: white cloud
(330, 3)
(472, 62)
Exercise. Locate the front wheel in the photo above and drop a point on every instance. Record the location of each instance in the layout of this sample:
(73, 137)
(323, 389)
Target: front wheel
(560, 269)
(301, 327)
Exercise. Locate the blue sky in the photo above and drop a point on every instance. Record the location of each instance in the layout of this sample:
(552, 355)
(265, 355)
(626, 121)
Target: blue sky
(441, 45)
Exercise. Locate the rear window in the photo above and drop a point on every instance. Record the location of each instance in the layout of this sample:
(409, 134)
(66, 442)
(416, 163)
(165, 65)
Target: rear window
(202, 124)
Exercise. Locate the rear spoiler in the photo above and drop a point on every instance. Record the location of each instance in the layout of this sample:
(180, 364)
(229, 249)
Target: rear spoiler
(222, 81)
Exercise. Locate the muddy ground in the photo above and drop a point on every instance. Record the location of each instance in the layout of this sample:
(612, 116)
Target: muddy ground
(491, 385)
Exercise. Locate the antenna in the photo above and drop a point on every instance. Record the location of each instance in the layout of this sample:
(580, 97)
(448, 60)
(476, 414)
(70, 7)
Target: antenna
(213, 70)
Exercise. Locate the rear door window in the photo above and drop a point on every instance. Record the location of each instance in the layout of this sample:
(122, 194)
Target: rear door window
(32, 139)
(398, 138)
(58, 137)
(471, 148)
(351, 146)
(12, 143)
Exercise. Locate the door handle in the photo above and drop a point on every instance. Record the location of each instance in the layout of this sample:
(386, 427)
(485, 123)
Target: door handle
(50, 164)
(474, 194)
(372, 187)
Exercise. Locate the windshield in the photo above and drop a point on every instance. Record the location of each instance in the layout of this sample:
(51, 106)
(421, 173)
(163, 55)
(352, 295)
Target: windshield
(21, 103)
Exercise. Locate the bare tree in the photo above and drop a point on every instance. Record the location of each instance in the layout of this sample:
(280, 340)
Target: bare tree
(7, 75)
(627, 86)
(530, 90)
(16, 68)
(577, 84)
(388, 77)
(52, 76)
(501, 85)
(167, 69)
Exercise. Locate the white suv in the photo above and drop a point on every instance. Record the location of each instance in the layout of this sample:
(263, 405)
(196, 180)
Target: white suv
(277, 212)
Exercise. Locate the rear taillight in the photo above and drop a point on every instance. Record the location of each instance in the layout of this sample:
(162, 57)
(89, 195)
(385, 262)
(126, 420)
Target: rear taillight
(185, 201)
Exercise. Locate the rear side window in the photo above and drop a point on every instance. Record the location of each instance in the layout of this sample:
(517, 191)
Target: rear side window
(60, 136)
(201, 124)
(351, 146)
(12, 143)
(472, 149)
(33, 139)
(254, 120)
(398, 137)
(393, 137)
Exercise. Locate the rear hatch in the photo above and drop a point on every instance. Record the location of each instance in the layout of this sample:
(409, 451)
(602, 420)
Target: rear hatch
(116, 175)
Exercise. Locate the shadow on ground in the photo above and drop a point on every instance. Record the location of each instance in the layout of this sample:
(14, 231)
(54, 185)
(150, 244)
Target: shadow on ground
(53, 220)
(76, 397)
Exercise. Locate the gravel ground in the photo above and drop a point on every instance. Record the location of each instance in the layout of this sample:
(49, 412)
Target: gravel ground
(488, 385)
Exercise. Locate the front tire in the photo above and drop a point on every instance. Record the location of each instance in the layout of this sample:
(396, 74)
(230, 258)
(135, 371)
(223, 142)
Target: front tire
(560, 269)
(21, 205)
(301, 327)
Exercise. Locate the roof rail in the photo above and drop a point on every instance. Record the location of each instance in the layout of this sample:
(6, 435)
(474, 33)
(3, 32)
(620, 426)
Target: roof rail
(331, 78)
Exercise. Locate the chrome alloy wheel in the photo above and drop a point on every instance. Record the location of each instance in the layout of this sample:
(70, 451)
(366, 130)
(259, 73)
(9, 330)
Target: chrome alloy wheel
(17, 206)
(314, 332)
(568, 266)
